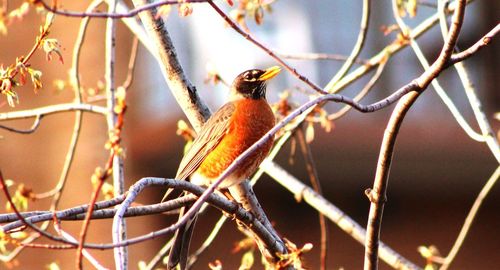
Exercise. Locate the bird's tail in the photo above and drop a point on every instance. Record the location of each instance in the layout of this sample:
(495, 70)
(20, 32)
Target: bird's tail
(180, 248)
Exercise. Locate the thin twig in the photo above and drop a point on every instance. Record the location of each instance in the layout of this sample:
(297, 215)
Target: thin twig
(208, 241)
(115, 123)
(319, 56)
(32, 129)
(314, 179)
(113, 15)
(480, 44)
(486, 130)
(435, 83)
(52, 109)
(222, 203)
(85, 252)
(75, 83)
(339, 218)
(131, 63)
(470, 218)
(5, 190)
(86, 222)
(267, 50)
(389, 50)
(184, 92)
(79, 212)
(366, 89)
(363, 30)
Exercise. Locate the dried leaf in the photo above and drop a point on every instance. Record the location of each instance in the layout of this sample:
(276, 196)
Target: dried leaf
(108, 191)
(259, 15)
(51, 46)
(36, 78)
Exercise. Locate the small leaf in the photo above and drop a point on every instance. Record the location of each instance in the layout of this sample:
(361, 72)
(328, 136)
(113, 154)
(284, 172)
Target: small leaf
(108, 191)
(18, 235)
(53, 266)
(59, 84)
(424, 252)
(310, 132)
(430, 266)
(142, 265)
(247, 260)
(51, 46)
(216, 265)
(259, 15)
(3, 26)
(411, 8)
(9, 182)
(20, 12)
(163, 11)
(185, 9)
(36, 78)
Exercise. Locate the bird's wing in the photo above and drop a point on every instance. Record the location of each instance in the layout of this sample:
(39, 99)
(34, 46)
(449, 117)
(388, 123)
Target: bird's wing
(209, 137)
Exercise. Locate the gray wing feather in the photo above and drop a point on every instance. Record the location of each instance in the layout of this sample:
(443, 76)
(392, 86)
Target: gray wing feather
(210, 136)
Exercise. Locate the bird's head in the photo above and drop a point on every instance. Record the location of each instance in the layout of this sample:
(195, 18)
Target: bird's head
(252, 83)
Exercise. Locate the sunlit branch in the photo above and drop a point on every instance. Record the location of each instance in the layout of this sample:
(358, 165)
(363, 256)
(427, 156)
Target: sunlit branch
(113, 15)
(377, 195)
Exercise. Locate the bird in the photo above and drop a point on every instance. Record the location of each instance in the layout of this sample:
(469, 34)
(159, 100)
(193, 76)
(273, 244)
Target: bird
(232, 129)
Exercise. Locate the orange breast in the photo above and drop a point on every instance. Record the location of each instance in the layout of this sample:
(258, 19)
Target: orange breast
(250, 121)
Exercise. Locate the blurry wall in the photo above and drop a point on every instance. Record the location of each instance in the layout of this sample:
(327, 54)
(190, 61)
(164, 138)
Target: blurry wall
(436, 173)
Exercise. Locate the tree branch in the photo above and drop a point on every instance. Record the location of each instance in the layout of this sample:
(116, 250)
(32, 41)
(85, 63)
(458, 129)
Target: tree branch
(377, 195)
(184, 92)
(470, 218)
(52, 109)
(342, 220)
(113, 15)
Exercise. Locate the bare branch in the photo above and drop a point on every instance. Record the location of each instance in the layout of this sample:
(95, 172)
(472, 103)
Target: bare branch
(470, 218)
(377, 195)
(113, 15)
(480, 44)
(316, 184)
(267, 50)
(182, 89)
(222, 203)
(52, 109)
(32, 129)
(319, 56)
(79, 212)
(342, 220)
(366, 89)
(363, 30)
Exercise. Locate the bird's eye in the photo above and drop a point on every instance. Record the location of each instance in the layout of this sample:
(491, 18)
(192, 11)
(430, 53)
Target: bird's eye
(248, 76)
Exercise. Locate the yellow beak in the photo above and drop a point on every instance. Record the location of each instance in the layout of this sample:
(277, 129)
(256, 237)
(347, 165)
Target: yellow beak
(270, 73)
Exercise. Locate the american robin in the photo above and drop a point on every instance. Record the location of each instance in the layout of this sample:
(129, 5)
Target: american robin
(229, 132)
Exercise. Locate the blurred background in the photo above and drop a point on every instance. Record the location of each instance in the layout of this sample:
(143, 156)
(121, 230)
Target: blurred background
(436, 174)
